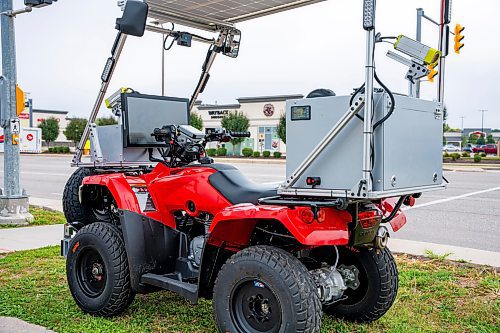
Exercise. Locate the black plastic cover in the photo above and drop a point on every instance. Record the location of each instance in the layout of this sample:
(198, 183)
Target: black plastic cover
(133, 21)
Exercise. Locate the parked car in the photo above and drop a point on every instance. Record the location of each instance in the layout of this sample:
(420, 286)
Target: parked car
(450, 148)
(469, 148)
(488, 149)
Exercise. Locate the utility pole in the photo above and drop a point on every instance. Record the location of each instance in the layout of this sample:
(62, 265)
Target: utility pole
(482, 119)
(462, 117)
(14, 204)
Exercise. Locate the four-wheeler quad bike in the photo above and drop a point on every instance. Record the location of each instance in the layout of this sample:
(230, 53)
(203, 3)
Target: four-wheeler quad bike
(151, 211)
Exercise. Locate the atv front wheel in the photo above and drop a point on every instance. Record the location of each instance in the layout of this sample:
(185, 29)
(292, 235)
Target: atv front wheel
(378, 285)
(266, 289)
(73, 209)
(97, 270)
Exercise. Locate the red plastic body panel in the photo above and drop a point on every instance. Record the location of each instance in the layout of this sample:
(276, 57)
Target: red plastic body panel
(233, 225)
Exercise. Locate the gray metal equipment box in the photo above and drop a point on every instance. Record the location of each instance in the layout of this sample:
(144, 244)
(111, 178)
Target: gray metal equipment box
(407, 152)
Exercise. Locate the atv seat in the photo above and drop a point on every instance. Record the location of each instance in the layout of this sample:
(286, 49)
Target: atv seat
(238, 188)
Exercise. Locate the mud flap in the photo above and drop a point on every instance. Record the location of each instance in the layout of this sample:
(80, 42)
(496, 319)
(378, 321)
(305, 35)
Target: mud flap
(151, 247)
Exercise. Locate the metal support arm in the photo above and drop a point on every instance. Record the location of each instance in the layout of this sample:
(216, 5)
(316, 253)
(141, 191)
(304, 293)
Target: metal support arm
(207, 65)
(106, 78)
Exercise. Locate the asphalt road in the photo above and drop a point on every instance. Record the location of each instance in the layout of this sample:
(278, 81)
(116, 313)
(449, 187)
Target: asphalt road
(467, 214)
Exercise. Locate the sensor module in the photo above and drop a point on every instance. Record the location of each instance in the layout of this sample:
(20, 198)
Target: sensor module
(417, 50)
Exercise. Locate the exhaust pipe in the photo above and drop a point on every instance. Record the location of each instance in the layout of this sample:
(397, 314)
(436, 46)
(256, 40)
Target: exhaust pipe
(381, 239)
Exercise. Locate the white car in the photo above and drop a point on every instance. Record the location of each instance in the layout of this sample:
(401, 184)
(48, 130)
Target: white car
(450, 148)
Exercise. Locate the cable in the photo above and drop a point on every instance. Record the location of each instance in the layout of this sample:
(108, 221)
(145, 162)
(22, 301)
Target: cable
(166, 38)
(393, 103)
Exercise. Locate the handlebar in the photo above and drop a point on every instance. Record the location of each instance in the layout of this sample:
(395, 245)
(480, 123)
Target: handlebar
(240, 134)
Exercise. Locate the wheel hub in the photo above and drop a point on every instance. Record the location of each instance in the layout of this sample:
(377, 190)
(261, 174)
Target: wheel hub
(255, 308)
(259, 308)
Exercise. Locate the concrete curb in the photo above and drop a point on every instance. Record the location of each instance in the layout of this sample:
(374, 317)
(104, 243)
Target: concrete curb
(456, 253)
(270, 160)
(14, 325)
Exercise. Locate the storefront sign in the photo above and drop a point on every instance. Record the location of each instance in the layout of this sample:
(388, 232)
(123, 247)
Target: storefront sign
(218, 114)
(268, 110)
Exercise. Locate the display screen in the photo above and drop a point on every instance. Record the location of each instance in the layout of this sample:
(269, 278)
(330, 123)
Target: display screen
(144, 113)
(301, 112)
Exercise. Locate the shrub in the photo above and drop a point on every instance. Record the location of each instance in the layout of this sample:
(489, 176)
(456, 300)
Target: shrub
(66, 150)
(58, 150)
(446, 154)
(221, 151)
(277, 154)
(51, 150)
(211, 152)
(483, 154)
(247, 152)
(256, 154)
(455, 156)
(266, 153)
(465, 154)
(477, 159)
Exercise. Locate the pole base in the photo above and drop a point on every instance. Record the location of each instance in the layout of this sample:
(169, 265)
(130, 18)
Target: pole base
(15, 211)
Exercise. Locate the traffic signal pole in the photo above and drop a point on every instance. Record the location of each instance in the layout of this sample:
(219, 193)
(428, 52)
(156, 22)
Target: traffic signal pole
(14, 205)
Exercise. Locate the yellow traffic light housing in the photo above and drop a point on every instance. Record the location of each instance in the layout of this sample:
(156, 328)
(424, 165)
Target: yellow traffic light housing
(433, 72)
(20, 100)
(458, 38)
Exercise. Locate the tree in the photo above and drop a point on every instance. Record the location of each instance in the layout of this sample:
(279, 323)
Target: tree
(75, 128)
(236, 122)
(50, 129)
(489, 139)
(104, 121)
(473, 139)
(281, 129)
(464, 140)
(196, 121)
(481, 140)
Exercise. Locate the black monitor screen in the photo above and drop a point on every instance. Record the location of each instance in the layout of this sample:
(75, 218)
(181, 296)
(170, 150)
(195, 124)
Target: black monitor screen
(143, 113)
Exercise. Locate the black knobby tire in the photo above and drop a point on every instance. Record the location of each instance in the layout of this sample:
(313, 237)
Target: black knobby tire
(97, 270)
(378, 277)
(275, 280)
(73, 210)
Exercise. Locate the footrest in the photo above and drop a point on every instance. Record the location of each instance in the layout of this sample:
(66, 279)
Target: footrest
(186, 290)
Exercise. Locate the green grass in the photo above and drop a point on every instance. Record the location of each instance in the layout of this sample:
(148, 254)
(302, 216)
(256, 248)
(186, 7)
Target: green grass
(435, 256)
(434, 296)
(42, 217)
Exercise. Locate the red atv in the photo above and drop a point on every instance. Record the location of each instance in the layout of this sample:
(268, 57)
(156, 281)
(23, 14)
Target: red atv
(153, 212)
(269, 264)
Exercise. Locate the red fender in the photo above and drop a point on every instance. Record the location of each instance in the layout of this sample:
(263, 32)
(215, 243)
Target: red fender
(234, 225)
(119, 187)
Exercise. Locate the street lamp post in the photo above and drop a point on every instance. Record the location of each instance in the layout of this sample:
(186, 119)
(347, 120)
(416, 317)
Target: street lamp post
(482, 120)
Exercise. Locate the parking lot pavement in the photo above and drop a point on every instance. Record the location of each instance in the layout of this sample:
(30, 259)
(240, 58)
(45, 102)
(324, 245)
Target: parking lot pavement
(466, 214)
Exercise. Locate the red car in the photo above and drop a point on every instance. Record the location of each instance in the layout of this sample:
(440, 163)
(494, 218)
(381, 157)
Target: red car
(488, 149)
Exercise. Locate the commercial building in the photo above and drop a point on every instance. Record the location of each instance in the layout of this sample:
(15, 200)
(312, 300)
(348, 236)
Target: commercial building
(34, 117)
(455, 138)
(263, 112)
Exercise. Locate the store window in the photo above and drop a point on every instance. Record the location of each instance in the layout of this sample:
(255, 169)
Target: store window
(268, 138)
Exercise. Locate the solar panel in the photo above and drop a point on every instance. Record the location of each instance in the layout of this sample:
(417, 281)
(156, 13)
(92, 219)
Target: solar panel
(214, 14)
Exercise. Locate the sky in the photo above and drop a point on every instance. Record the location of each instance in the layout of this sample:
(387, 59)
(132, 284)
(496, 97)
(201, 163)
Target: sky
(62, 48)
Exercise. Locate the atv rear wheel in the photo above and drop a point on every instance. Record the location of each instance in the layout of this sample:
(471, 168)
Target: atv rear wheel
(266, 289)
(97, 270)
(378, 285)
(73, 209)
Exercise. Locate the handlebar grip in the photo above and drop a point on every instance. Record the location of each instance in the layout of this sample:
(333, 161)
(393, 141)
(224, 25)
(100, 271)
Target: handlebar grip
(240, 134)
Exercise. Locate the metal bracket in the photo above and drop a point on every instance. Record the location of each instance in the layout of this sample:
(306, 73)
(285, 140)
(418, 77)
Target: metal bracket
(360, 190)
(13, 13)
(416, 70)
(96, 147)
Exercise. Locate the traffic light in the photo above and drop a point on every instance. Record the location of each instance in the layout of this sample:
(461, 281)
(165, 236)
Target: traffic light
(433, 72)
(458, 38)
(38, 3)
